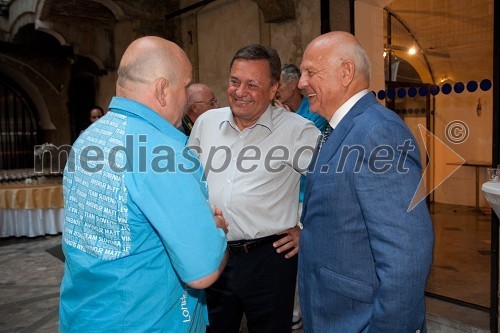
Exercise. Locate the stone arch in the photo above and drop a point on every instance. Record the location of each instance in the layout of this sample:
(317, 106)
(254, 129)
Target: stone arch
(46, 27)
(33, 92)
(113, 7)
(276, 11)
(20, 21)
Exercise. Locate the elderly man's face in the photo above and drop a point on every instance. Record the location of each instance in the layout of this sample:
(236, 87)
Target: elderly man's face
(250, 90)
(203, 100)
(321, 80)
(286, 90)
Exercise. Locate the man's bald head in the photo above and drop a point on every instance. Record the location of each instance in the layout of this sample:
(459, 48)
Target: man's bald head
(344, 46)
(334, 68)
(197, 88)
(148, 58)
(155, 72)
(201, 99)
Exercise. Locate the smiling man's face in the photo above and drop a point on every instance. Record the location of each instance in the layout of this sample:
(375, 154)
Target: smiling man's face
(321, 78)
(250, 90)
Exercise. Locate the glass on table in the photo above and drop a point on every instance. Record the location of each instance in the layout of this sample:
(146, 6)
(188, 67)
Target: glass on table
(493, 174)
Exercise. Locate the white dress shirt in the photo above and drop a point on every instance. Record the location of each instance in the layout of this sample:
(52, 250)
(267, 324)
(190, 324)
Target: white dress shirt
(253, 174)
(342, 111)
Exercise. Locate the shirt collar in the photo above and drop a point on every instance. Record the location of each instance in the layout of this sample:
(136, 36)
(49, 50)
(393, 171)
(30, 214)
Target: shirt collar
(132, 108)
(342, 111)
(266, 119)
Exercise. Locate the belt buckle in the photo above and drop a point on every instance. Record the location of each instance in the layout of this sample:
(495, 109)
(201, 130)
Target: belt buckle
(245, 248)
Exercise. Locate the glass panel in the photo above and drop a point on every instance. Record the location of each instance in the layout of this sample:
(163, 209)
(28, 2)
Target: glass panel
(449, 47)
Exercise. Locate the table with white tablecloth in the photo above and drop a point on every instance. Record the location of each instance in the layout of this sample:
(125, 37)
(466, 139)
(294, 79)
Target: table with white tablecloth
(31, 209)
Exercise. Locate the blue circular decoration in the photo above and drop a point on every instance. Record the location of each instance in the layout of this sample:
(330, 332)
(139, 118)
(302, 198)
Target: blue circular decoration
(412, 91)
(472, 86)
(391, 93)
(422, 111)
(398, 111)
(381, 94)
(410, 111)
(485, 85)
(423, 91)
(446, 88)
(434, 90)
(403, 111)
(401, 92)
(459, 87)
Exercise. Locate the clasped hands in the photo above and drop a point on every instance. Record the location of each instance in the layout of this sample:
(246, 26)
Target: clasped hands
(220, 220)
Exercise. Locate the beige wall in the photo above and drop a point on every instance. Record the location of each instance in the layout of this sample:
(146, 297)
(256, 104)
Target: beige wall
(212, 35)
(291, 37)
(368, 26)
(223, 28)
(460, 187)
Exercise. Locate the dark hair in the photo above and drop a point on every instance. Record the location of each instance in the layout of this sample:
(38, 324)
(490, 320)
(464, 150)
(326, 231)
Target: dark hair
(290, 71)
(96, 107)
(260, 52)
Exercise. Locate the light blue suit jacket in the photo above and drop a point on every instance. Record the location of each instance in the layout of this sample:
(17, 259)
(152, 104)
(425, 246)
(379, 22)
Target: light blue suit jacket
(364, 258)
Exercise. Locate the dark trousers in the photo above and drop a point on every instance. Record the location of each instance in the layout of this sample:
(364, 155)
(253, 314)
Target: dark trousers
(260, 284)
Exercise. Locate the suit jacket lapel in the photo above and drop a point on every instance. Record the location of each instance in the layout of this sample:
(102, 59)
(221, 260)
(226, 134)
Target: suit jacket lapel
(338, 136)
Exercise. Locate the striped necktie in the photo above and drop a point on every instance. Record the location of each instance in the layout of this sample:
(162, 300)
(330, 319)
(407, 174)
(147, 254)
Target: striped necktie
(325, 134)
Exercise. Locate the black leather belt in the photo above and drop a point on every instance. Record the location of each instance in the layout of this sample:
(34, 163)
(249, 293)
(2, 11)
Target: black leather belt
(245, 246)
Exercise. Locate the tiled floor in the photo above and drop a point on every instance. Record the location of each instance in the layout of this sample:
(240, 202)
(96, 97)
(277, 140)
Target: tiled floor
(29, 285)
(30, 277)
(461, 267)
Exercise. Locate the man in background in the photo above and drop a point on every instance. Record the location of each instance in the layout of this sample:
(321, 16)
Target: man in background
(140, 237)
(200, 99)
(365, 251)
(95, 113)
(290, 97)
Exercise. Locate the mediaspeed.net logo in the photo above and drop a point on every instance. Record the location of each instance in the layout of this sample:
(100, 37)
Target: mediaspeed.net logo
(443, 161)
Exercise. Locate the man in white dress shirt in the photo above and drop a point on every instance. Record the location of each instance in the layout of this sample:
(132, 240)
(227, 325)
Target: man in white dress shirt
(253, 155)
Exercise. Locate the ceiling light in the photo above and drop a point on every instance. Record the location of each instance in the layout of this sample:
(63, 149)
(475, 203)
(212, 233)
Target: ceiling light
(412, 50)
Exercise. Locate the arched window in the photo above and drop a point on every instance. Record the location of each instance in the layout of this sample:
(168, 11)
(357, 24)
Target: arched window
(19, 131)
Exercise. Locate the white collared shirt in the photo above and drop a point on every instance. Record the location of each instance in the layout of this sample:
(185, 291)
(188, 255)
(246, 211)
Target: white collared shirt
(342, 111)
(260, 202)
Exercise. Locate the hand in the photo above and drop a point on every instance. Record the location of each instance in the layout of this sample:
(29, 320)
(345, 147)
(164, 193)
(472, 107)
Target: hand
(220, 221)
(280, 104)
(289, 241)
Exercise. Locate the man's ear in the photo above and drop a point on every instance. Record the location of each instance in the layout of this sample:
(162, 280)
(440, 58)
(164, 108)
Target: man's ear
(347, 72)
(161, 91)
(274, 89)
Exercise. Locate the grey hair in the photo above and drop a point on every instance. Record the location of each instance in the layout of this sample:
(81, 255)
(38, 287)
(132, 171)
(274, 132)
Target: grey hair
(290, 72)
(359, 57)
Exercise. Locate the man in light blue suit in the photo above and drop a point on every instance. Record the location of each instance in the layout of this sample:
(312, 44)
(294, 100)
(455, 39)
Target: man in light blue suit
(364, 254)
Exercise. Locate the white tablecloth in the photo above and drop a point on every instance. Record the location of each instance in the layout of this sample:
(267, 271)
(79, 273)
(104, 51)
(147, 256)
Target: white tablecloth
(31, 222)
